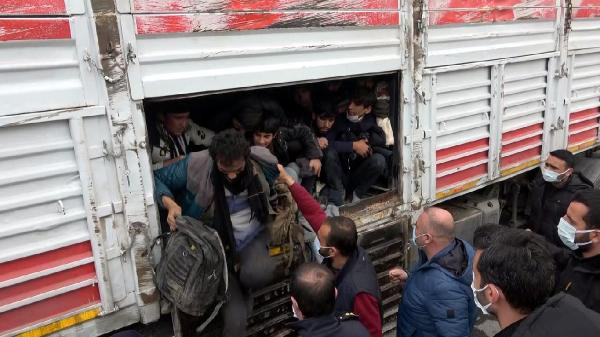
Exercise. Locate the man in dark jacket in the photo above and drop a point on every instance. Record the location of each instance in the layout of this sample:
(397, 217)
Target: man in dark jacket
(580, 230)
(437, 298)
(517, 293)
(355, 277)
(352, 162)
(313, 302)
(551, 193)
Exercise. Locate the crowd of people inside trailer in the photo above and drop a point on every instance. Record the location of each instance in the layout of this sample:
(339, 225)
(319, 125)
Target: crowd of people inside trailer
(333, 143)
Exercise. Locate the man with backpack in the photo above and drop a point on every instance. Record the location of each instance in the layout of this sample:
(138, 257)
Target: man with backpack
(228, 187)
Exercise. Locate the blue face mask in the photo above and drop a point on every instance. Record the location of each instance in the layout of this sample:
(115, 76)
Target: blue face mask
(483, 308)
(551, 176)
(567, 232)
(414, 237)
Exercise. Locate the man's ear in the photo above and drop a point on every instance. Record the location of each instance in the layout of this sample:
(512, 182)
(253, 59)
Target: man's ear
(494, 294)
(296, 308)
(336, 292)
(369, 109)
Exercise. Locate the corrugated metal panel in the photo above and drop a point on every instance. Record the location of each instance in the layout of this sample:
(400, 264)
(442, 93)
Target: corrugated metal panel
(42, 47)
(218, 45)
(585, 26)
(584, 101)
(460, 129)
(467, 31)
(523, 115)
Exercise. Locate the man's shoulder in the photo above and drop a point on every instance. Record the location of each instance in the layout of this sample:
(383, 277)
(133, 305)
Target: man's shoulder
(351, 326)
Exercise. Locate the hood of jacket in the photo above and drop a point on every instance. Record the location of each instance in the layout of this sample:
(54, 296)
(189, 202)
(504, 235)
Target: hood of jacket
(453, 260)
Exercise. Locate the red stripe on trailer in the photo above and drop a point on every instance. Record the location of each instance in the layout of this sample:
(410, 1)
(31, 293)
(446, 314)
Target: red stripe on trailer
(521, 157)
(579, 115)
(49, 308)
(47, 283)
(164, 6)
(508, 136)
(466, 175)
(457, 163)
(574, 127)
(32, 7)
(189, 23)
(34, 29)
(54, 258)
(583, 136)
(444, 12)
(522, 143)
(481, 144)
(586, 9)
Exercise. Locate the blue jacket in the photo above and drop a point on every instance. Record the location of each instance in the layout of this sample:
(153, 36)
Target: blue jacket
(437, 298)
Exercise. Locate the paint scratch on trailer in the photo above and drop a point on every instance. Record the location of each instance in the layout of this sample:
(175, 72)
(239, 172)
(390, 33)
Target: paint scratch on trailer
(32, 7)
(34, 29)
(586, 8)
(187, 23)
(444, 12)
(171, 6)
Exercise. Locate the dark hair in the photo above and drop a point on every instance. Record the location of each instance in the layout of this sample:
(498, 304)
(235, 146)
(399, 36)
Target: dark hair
(252, 111)
(171, 107)
(591, 199)
(565, 156)
(343, 235)
(484, 234)
(229, 145)
(324, 108)
(519, 263)
(269, 125)
(364, 97)
(313, 287)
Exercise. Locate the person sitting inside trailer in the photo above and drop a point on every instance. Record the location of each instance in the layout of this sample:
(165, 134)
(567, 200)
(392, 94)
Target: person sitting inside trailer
(551, 192)
(176, 135)
(228, 187)
(295, 146)
(352, 160)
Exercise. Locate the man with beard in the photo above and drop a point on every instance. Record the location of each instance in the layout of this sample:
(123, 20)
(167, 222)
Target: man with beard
(227, 187)
(579, 230)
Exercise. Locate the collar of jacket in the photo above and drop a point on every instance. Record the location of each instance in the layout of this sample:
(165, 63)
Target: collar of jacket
(315, 324)
(589, 265)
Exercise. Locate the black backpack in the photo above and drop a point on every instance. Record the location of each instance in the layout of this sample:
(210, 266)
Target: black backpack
(192, 272)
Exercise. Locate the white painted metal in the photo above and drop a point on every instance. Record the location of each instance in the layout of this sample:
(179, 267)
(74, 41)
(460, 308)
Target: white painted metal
(585, 33)
(585, 85)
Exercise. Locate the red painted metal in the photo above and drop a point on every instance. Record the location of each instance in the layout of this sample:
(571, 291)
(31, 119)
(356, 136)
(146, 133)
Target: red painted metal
(44, 261)
(481, 144)
(530, 130)
(32, 7)
(47, 283)
(521, 157)
(462, 176)
(457, 163)
(181, 6)
(586, 9)
(583, 136)
(34, 29)
(584, 114)
(574, 127)
(444, 12)
(535, 140)
(188, 23)
(49, 308)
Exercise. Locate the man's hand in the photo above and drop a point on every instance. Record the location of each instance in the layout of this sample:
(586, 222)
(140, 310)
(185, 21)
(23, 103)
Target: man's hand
(283, 175)
(315, 166)
(323, 143)
(361, 147)
(398, 274)
(173, 210)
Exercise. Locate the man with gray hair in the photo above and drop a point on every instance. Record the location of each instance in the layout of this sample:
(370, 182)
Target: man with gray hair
(437, 298)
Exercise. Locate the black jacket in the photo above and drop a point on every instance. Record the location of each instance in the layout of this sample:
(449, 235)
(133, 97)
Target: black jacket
(330, 326)
(581, 278)
(295, 142)
(357, 276)
(548, 204)
(344, 132)
(561, 316)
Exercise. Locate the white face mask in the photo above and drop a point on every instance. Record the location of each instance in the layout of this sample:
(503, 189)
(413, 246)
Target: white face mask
(354, 119)
(551, 176)
(567, 232)
(483, 308)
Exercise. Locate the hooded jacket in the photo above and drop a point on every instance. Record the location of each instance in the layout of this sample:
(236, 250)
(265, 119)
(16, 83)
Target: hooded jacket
(548, 204)
(562, 315)
(437, 298)
(329, 326)
(581, 278)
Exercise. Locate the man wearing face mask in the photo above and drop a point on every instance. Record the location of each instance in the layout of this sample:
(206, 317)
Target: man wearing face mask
(437, 298)
(551, 193)
(518, 293)
(313, 295)
(351, 164)
(227, 187)
(579, 229)
(355, 277)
